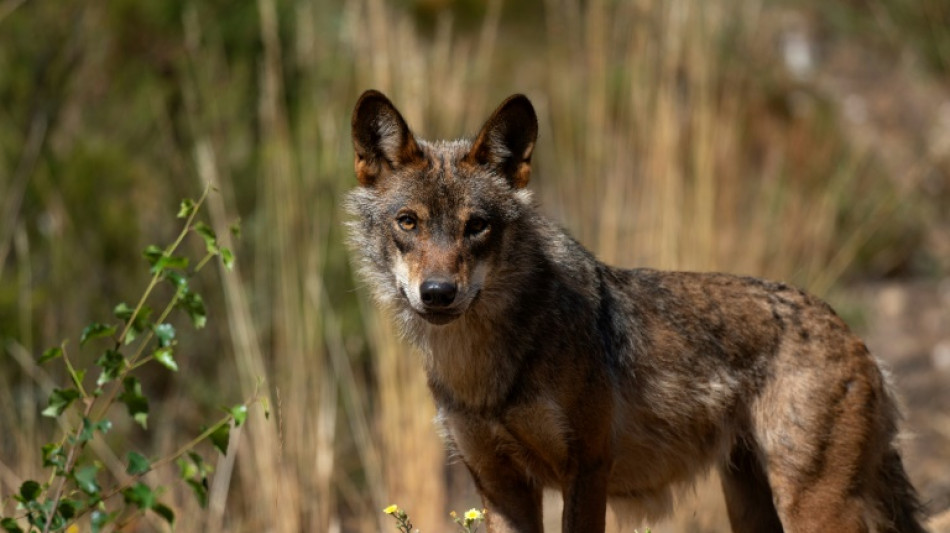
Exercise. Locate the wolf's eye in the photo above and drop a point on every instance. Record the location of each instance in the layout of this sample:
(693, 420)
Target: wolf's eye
(406, 222)
(475, 225)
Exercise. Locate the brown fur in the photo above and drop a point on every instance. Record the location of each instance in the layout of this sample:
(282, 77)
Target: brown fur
(552, 369)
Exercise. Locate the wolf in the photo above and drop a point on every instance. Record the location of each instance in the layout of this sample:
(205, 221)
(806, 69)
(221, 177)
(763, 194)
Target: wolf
(551, 369)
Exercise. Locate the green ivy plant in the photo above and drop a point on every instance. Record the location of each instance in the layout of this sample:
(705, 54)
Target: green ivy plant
(77, 487)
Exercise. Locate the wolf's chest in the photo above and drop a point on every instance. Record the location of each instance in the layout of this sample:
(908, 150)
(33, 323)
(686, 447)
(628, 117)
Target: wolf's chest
(534, 437)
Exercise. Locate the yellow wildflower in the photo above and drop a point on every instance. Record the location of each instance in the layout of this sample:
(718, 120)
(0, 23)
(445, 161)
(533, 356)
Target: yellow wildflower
(473, 514)
(391, 509)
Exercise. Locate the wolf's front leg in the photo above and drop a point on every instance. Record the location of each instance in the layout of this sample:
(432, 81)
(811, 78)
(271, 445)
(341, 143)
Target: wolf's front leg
(513, 501)
(585, 500)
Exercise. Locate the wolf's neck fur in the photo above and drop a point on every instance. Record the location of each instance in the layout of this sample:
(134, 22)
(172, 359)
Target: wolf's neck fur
(490, 342)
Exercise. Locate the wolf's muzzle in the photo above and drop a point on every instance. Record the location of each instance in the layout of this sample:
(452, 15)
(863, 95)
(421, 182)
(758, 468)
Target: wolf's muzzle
(438, 293)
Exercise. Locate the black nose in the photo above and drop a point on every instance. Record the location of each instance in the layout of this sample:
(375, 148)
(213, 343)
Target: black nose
(438, 293)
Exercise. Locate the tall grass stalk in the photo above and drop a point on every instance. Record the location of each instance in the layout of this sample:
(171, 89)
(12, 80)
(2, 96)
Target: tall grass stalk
(660, 145)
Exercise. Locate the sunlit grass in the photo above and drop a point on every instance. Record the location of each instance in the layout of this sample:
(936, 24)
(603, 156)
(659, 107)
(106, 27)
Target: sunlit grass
(671, 137)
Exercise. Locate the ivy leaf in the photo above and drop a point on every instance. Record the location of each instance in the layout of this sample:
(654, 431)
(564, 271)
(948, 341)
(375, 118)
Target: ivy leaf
(123, 311)
(89, 429)
(221, 437)
(177, 279)
(239, 412)
(10, 526)
(138, 323)
(200, 489)
(211, 240)
(138, 464)
(194, 306)
(195, 472)
(165, 512)
(152, 254)
(77, 377)
(135, 401)
(85, 478)
(227, 257)
(139, 495)
(59, 400)
(186, 208)
(50, 354)
(66, 509)
(53, 455)
(112, 363)
(29, 491)
(166, 262)
(203, 468)
(95, 331)
(164, 356)
(100, 519)
(165, 333)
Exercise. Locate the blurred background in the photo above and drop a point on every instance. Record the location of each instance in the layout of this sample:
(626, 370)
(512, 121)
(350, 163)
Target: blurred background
(805, 141)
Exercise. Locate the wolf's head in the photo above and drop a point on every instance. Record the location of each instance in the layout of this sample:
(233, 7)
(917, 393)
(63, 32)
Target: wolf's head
(432, 216)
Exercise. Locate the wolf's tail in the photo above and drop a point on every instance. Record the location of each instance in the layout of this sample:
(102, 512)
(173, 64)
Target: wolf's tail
(899, 501)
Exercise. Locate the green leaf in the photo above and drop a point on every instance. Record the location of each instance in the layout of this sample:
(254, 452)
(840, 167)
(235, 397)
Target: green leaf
(53, 455)
(89, 429)
(100, 519)
(165, 512)
(95, 331)
(137, 324)
(164, 356)
(239, 412)
(135, 401)
(77, 377)
(211, 240)
(176, 278)
(194, 306)
(50, 354)
(30, 490)
(10, 526)
(59, 400)
(165, 333)
(167, 262)
(112, 363)
(186, 208)
(138, 464)
(85, 478)
(200, 488)
(195, 472)
(235, 230)
(123, 311)
(139, 495)
(227, 257)
(152, 254)
(66, 509)
(220, 437)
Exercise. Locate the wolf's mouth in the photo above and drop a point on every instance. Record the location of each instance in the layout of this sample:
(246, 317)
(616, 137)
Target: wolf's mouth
(439, 318)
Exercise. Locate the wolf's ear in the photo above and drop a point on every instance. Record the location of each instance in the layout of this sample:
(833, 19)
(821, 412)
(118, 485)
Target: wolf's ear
(507, 140)
(381, 139)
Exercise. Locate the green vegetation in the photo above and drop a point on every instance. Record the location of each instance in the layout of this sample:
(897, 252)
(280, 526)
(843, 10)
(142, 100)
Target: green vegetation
(75, 488)
(673, 135)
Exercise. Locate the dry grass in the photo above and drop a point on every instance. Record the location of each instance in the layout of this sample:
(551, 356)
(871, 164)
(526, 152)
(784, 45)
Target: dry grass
(661, 145)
